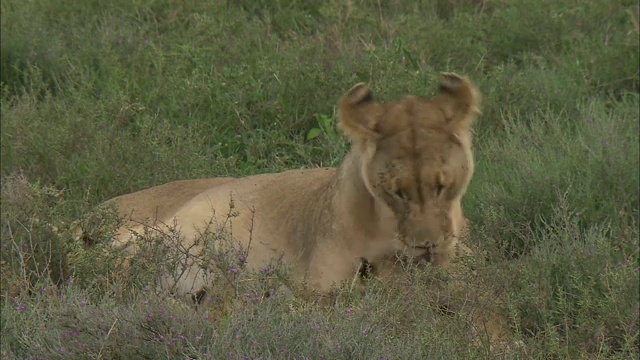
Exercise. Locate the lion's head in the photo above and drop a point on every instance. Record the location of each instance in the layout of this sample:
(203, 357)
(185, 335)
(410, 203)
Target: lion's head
(416, 157)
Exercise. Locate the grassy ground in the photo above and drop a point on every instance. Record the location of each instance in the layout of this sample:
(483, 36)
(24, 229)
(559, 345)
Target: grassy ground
(100, 99)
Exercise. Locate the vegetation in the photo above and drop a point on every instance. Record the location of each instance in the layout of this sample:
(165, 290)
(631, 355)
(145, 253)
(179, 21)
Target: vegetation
(105, 98)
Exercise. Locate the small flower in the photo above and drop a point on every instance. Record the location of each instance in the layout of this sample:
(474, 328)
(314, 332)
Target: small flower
(347, 311)
(266, 270)
(241, 259)
(233, 270)
(363, 332)
(70, 281)
(161, 338)
(83, 302)
(149, 317)
(21, 308)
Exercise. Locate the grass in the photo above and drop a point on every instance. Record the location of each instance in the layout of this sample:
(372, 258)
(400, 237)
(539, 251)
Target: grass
(102, 99)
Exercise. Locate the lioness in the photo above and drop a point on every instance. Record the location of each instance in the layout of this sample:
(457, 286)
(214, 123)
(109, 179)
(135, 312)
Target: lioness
(398, 190)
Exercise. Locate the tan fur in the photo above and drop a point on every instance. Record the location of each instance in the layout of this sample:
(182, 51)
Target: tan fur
(398, 190)
(158, 203)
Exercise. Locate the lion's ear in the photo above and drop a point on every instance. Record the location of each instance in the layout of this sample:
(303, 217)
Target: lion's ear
(358, 113)
(459, 100)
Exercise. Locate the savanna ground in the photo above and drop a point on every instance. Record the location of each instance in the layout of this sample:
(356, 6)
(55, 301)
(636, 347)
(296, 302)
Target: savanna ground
(105, 98)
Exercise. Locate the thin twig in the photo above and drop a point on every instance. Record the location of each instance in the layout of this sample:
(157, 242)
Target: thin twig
(106, 337)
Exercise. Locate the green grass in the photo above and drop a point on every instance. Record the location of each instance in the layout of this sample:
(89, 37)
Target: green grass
(101, 99)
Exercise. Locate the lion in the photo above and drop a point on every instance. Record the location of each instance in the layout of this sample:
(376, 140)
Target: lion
(397, 191)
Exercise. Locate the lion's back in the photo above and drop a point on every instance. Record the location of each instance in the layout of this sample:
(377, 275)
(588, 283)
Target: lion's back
(161, 201)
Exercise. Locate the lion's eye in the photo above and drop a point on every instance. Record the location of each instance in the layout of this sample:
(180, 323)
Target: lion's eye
(401, 194)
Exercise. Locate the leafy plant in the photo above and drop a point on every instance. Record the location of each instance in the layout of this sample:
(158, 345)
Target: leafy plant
(326, 127)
